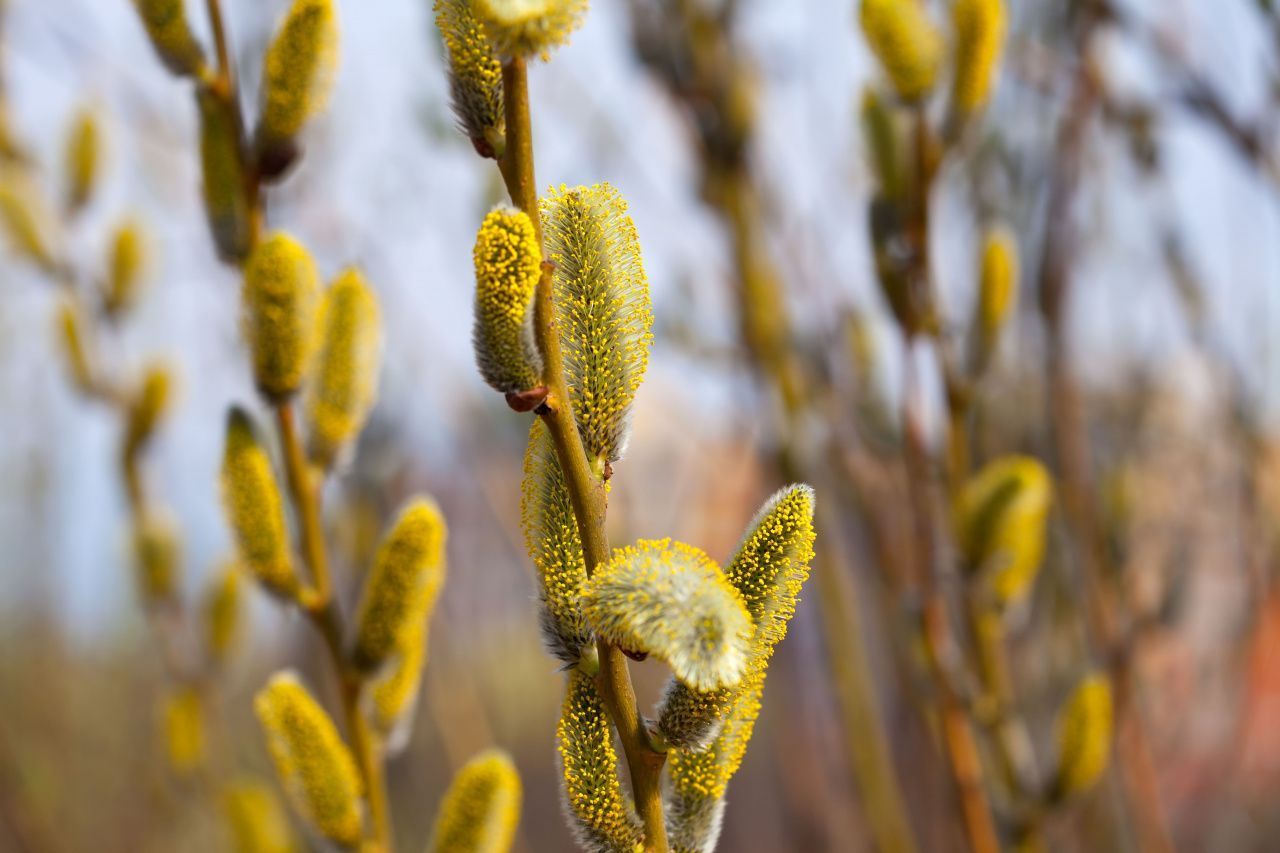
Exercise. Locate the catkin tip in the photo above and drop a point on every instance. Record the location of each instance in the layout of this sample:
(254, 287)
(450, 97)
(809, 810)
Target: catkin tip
(529, 28)
(481, 809)
(979, 39)
(906, 42)
(299, 70)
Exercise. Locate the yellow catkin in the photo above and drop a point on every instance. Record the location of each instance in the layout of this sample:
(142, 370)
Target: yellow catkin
(906, 42)
(223, 187)
(1084, 736)
(475, 76)
(26, 219)
(280, 295)
(71, 338)
(671, 600)
(170, 34)
(254, 509)
(555, 547)
(768, 570)
(393, 697)
(481, 809)
(83, 158)
(223, 612)
(603, 312)
(1001, 515)
(403, 584)
(184, 725)
(126, 266)
(148, 406)
(529, 27)
(979, 39)
(508, 262)
(258, 821)
(997, 287)
(601, 818)
(314, 766)
(157, 553)
(344, 381)
(299, 69)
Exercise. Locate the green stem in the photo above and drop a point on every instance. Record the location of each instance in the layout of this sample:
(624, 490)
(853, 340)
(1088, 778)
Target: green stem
(586, 490)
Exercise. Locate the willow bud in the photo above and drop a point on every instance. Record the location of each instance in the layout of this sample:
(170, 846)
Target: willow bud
(299, 70)
(255, 511)
(979, 39)
(906, 42)
(480, 810)
(1001, 516)
(223, 188)
(126, 265)
(170, 34)
(281, 287)
(83, 158)
(1084, 737)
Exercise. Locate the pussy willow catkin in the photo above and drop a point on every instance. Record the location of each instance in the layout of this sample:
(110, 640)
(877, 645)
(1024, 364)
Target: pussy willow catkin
(906, 42)
(997, 288)
(280, 296)
(979, 38)
(480, 810)
(258, 821)
(508, 263)
(475, 76)
(126, 267)
(170, 34)
(226, 205)
(83, 158)
(1084, 736)
(223, 617)
(1001, 515)
(529, 27)
(299, 69)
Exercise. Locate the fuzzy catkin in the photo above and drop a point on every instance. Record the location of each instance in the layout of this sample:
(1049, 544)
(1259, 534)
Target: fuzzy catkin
(403, 584)
(258, 822)
(906, 42)
(602, 310)
(1001, 516)
(508, 263)
(223, 187)
(600, 816)
(475, 76)
(170, 34)
(126, 264)
(529, 28)
(671, 600)
(223, 618)
(481, 809)
(255, 511)
(184, 725)
(298, 72)
(148, 406)
(83, 158)
(157, 553)
(393, 696)
(997, 288)
(979, 39)
(280, 295)
(1084, 736)
(344, 380)
(315, 767)
(555, 547)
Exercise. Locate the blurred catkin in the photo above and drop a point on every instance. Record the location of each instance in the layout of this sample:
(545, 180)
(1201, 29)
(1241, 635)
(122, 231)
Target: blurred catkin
(26, 220)
(147, 406)
(184, 727)
(166, 25)
(157, 552)
(126, 265)
(555, 547)
(344, 380)
(997, 289)
(258, 822)
(1084, 737)
(508, 263)
(281, 287)
(1001, 514)
(475, 76)
(71, 337)
(979, 38)
(602, 818)
(881, 138)
(83, 158)
(602, 308)
(393, 695)
(224, 188)
(223, 612)
(315, 767)
(906, 42)
(255, 511)
(298, 72)
(529, 27)
(403, 584)
(481, 809)
(671, 600)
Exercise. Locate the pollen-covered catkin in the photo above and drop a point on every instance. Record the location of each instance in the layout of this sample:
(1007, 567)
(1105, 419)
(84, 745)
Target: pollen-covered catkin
(258, 822)
(475, 76)
(529, 27)
(344, 381)
(600, 817)
(157, 552)
(979, 39)
(255, 511)
(555, 546)
(1001, 514)
(281, 287)
(1084, 736)
(223, 618)
(315, 767)
(508, 262)
(997, 289)
(184, 738)
(602, 308)
(126, 265)
(403, 584)
(768, 570)
(298, 72)
(223, 186)
(481, 809)
(906, 42)
(83, 157)
(166, 25)
(393, 695)
(671, 600)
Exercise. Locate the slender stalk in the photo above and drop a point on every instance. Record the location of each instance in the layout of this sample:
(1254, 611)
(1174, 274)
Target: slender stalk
(586, 490)
(305, 490)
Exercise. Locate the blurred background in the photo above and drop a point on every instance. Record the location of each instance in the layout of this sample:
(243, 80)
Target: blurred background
(1132, 149)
